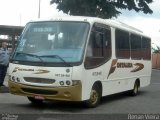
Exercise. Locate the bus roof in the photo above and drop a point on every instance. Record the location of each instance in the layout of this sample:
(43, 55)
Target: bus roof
(92, 20)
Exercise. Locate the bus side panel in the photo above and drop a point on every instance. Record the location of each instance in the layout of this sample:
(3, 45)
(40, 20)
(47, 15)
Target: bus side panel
(145, 76)
(117, 85)
(90, 76)
(115, 81)
(124, 73)
(145, 81)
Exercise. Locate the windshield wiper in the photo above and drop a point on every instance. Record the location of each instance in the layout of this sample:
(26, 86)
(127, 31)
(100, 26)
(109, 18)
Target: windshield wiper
(39, 57)
(57, 56)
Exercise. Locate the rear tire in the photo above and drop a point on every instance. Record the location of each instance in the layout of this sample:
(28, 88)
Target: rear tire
(135, 90)
(95, 97)
(34, 101)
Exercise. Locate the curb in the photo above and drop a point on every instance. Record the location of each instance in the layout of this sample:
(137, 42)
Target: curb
(4, 89)
(156, 69)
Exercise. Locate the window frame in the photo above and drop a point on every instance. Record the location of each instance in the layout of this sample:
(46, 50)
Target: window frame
(129, 52)
(104, 58)
(149, 52)
(140, 50)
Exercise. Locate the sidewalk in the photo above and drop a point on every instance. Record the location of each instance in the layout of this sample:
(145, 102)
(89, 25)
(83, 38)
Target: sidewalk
(4, 89)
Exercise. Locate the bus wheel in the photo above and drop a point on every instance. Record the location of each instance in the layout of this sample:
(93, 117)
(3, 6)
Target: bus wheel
(95, 97)
(134, 92)
(35, 101)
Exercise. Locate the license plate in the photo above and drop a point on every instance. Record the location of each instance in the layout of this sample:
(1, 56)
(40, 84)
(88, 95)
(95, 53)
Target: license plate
(39, 97)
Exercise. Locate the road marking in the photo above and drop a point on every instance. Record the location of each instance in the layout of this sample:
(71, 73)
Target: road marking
(47, 118)
(50, 111)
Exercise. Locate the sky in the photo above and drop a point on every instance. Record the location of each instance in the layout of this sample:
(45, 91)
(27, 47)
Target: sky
(19, 12)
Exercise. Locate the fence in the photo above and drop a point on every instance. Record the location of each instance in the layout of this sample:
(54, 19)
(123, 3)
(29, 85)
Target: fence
(156, 60)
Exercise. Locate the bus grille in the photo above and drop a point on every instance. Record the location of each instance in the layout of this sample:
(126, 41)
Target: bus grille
(39, 80)
(39, 91)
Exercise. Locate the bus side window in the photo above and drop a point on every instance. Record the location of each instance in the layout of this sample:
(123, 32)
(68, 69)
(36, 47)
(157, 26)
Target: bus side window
(122, 44)
(135, 41)
(90, 46)
(107, 44)
(98, 46)
(146, 48)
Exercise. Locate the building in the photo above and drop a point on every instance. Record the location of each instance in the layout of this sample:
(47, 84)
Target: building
(10, 35)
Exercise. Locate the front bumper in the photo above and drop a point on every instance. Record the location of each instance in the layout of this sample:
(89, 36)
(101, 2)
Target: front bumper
(69, 93)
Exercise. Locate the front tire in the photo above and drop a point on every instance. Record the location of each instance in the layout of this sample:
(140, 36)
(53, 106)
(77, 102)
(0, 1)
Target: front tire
(95, 97)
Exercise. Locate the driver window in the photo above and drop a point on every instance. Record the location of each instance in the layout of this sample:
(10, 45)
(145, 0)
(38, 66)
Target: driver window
(99, 46)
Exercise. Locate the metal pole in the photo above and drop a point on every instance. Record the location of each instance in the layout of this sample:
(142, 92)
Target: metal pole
(39, 11)
(20, 19)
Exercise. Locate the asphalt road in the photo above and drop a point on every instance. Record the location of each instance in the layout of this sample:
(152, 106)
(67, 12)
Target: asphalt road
(119, 106)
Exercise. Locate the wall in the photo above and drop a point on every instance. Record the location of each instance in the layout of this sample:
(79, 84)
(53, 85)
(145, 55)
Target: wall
(156, 60)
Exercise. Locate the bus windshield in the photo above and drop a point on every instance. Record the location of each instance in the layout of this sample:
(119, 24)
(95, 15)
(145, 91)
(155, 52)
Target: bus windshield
(45, 40)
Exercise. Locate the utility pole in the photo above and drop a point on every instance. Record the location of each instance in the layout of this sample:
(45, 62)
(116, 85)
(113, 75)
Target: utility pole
(39, 11)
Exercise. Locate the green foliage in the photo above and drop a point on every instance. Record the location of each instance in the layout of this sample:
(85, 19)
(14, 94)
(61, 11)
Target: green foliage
(156, 50)
(101, 8)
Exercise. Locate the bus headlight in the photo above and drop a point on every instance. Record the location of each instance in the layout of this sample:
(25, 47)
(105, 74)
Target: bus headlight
(61, 83)
(75, 82)
(68, 82)
(18, 80)
(13, 78)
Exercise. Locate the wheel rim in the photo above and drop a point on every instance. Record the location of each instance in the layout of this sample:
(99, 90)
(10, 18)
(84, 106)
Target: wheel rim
(94, 97)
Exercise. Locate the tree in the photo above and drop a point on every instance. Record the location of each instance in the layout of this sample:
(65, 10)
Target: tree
(101, 8)
(156, 50)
